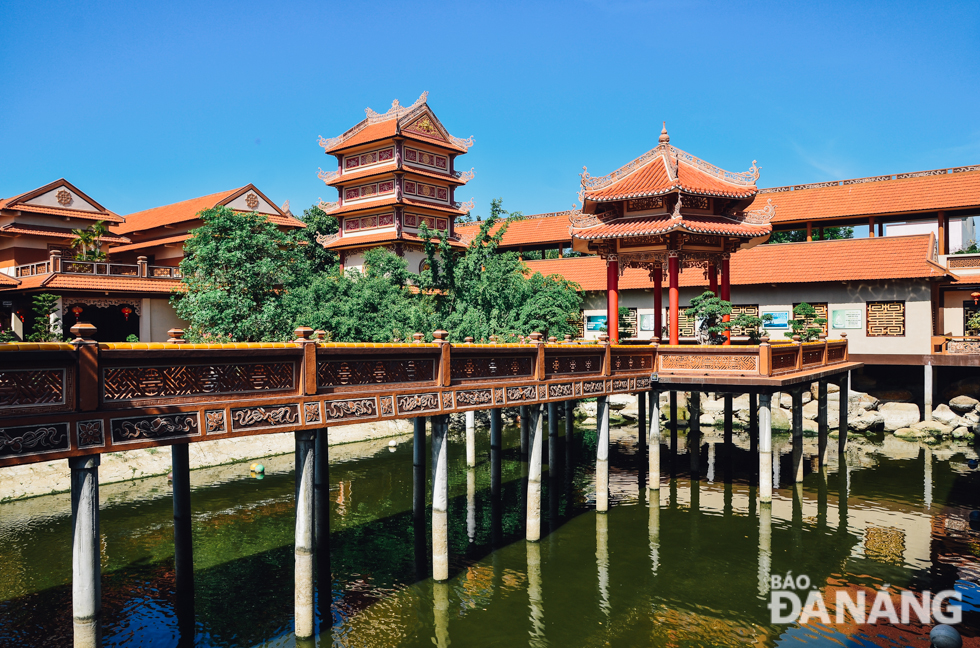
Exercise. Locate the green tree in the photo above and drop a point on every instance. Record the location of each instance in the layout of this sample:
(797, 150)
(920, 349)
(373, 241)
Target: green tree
(799, 236)
(88, 242)
(970, 248)
(46, 326)
(973, 324)
(318, 223)
(239, 271)
(708, 309)
(806, 324)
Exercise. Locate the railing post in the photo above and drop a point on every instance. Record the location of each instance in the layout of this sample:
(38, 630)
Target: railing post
(54, 259)
(536, 339)
(823, 358)
(765, 356)
(445, 375)
(303, 338)
(141, 266)
(88, 366)
(799, 352)
(607, 354)
(846, 354)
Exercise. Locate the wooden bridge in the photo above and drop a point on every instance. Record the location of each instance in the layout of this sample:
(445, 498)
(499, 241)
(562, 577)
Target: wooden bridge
(81, 399)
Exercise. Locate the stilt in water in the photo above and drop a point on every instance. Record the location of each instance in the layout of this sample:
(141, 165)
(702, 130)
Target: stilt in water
(183, 543)
(602, 455)
(845, 382)
(86, 552)
(440, 498)
(602, 561)
(822, 430)
(305, 462)
(569, 434)
(535, 423)
(418, 499)
(653, 450)
(534, 597)
(470, 438)
(496, 450)
(765, 448)
(797, 435)
(525, 429)
(765, 545)
(440, 613)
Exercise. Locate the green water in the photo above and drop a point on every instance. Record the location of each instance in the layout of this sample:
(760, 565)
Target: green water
(689, 570)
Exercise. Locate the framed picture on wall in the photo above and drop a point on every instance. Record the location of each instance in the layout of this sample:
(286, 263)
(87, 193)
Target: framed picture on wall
(595, 322)
(780, 319)
(647, 322)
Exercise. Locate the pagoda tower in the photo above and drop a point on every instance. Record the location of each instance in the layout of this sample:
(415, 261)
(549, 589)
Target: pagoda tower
(666, 211)
(395, 171)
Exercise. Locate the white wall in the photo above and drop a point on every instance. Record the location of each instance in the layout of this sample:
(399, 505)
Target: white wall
(156, 318)
(961, 230)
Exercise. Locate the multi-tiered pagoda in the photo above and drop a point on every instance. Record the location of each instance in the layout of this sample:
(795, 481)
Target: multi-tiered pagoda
(395, 171)
(665, 211)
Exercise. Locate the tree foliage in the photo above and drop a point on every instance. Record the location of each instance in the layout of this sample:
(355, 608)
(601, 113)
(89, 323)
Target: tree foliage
(88, 242)
(46, 326)
(799, 236)
(318, 222)
(710, 310)
(806, 324)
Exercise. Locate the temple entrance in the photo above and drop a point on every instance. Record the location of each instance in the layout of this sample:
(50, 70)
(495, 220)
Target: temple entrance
(114, 322)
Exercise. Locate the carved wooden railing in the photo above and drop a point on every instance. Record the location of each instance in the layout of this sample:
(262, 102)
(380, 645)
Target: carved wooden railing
(60, 400)
(57, 264)
(961, 345)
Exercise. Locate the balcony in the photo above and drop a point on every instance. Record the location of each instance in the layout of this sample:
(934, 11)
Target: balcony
(57, 265)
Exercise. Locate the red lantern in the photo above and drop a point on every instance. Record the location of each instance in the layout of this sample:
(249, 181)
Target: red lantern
(976, 297)
(126, 310)
(77, 310)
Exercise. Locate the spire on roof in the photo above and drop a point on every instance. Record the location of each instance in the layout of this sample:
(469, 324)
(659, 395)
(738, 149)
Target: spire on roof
(664, 137)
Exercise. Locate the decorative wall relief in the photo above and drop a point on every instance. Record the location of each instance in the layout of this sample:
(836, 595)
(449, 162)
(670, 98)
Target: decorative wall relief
(145, 428)
(33, 439)
(419, 403)
(355, 408)
(574, 364)
(713, 362)
(130, 383)
(90, 434)
(374, 372)
(621, 384)
(311, 413)
(215, 422)
(490, 367)
(474, 397)
(560, 390)
(251, 418)
(387, 406)
(517, 394)
(593, 387)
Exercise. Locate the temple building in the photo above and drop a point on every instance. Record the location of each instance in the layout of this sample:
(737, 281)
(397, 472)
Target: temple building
(395, 171)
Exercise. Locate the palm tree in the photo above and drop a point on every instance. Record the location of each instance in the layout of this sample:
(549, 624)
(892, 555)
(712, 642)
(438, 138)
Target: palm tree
(90, 241)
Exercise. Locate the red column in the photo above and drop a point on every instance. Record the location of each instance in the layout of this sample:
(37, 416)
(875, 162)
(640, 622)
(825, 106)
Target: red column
(612, 298)
(726, 293)
(713, 278)
(658, 300)
(673, 270)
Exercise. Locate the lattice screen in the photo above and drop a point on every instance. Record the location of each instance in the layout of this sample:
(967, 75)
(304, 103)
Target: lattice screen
(821, 314)
(579, 324)
(630, 323)
(886, 319)
(745, 309)
(969, 310)
(687, 325)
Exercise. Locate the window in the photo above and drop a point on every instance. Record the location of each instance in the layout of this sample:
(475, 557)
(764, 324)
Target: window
(969, 310)
(745, 309)
(886, 319)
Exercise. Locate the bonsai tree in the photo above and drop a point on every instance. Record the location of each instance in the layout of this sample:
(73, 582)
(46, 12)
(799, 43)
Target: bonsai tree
(47, 326)
(751, 324)
(973, 324)
(709, 311)
(806, 324)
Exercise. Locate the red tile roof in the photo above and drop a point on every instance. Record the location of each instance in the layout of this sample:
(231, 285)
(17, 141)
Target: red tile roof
(180, 238)
(532, 231)
(366, 134)
(100, 283)
(8, 281)
(341, 243)
(16, 202)
(870, 259)
(865, 197)
(12, 228)
(656, 225)
(187, 210)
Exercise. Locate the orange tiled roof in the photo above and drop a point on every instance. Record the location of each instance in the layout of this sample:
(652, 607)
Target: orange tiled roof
(344, 242)
(187, 210)
(100, 283)
(103, 215)
(350, 208)
(364, 135)
(6, 281)
(180, 238)
(12, 228)
(941, 189)
(870, 259)
(533, 230)
(656, 225)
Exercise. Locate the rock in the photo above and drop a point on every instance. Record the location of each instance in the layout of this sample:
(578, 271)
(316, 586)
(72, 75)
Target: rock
(740, 403)
(935, 428)
(909, 433)
(962, 433)
(742, 415)
(786, 400)
(712, 405)
(868, 402)
(865, 422)
(781, 419)
(832, 388)
(898, 415)
(707, 419)
(944, 415)
(892, 395)
(810, 426)
(810, 410)
(963, 404)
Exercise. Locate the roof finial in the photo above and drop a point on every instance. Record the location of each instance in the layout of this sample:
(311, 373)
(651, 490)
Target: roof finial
(664, 137)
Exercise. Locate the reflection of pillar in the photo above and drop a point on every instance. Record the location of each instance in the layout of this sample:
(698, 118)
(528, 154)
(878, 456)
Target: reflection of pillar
(765, 448)
(602, 561)
(440, 498)
(183, 544)
(612, 298)
(842, 423)
(305, 464)
(535, 600)
(523, 415)
(86, 563)
(726, 292)
(797, 435)
(470, 438)
(843, 491)
(321, 520)
(471, 504)
(673, 269)
(653, 482)
(552, 434)
(654, 530)
(694, 436)
(927, 477)
(569, 435)
(765, 547)
(602, 455)
(440, 612)
(711, 462)
(533, 528)
(754, 434)
(822, 422)
(496, 450)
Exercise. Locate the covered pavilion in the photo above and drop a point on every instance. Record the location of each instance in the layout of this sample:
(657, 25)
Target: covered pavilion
(668, 210)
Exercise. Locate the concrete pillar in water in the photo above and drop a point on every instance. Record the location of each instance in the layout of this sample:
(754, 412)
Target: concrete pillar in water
(602, 561)
(653, 483)
(305, 464)
(534, 597)
(496, 450)
(797, 435)
(86, 567)
(440, 613)
(822, 429)
(471, 438)
(694, 432)
(765, 448)
(602, 455)
(844, 403)
(525, 429)
(927, 393)
(440, 498)
(533, 527)
(183, 543)
(641, 419)
(765, 547)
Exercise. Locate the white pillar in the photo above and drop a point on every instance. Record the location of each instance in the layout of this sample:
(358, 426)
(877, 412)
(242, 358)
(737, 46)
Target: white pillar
(765, 547)
(471, 438)
(86, 568)
(653, 482)
(440, 498)
(927, 393)
(765, 448)
(305, 464)
(535, 415)
(602, 455)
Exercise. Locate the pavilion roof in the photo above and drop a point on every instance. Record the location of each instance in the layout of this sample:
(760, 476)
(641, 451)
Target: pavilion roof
(591, 228)
(6, 281)
(956, 188)
(663, 170)
(868, 259)
(45, 232)
(416, 122)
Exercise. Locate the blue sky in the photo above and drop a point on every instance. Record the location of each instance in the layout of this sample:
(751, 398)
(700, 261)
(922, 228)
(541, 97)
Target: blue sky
(145, 104)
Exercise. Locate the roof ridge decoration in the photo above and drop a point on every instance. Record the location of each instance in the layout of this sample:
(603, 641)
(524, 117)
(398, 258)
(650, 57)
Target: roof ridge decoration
(326, 239)
(396, 111)
(466, 176)
(327, 176)
(761, 216)
(881, 178)
(327, 206)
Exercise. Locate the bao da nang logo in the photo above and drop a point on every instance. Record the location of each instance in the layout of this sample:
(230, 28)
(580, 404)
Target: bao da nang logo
(795, 600)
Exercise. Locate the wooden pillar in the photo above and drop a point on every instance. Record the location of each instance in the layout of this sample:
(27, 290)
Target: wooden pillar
(612, 298)
(821, 233)
(871, 227)
(842, 422)
(183, 543)
(694, 433)
(525, 428)
(673, 270)
(561, 252)
(496, 450)
(822, 422)
(881, 228)
(726, 292)
(797, 435)
(938, 310)
(713, 278)
(943, 238)
(809, 231)
(658, 302)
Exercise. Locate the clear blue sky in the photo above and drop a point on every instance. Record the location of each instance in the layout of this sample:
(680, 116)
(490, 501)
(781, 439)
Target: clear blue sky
(144, 104)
